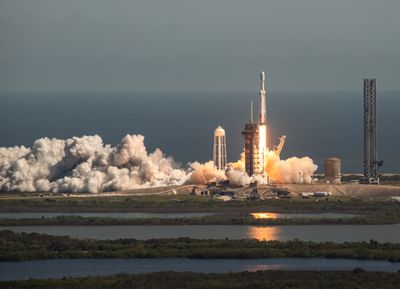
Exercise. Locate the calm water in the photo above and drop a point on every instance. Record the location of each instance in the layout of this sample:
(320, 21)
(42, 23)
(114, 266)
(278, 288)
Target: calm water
(85, 267)
(132, 215)
(121, 215)
(182, 123)
(316, 233)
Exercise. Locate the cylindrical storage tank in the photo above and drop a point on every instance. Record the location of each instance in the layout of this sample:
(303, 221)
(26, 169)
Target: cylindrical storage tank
(332, 170)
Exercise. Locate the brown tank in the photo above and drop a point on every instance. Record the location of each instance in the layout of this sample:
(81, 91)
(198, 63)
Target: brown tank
(332, 170)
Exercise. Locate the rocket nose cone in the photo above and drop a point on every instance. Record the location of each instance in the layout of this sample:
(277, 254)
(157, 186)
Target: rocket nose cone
(262, 76)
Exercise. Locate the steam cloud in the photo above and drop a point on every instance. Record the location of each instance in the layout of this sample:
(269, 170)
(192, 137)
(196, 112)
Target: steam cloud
(85, 164)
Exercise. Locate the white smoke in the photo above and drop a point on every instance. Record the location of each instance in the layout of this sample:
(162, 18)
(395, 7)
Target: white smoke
(293, 170)
(205, 173)
(85, 164)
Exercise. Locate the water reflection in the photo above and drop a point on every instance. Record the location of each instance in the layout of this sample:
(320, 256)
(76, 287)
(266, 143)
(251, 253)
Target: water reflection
(263, 233)
(264, 267)
(58, 268)
(326, 215)
(315, 233)
(265, 215)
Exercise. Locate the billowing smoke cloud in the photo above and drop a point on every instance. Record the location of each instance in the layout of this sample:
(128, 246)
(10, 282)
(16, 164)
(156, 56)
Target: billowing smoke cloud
(85, 164)
(205, 173)
(293, 170)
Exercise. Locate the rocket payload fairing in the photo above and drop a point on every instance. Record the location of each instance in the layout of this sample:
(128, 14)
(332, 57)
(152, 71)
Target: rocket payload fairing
(263, 113)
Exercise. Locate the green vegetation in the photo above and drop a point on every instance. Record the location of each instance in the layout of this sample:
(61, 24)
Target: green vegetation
(221, 219)
(184, 203)
(372, 211)
(188, 203)
(24, 246)
(358, 279)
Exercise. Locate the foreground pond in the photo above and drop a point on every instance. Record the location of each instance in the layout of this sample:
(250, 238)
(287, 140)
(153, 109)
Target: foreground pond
(136, 215)
(119, 215)
(316, 233)
(58, 268)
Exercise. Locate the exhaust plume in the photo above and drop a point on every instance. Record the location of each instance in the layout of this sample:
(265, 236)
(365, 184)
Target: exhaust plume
(85, 164)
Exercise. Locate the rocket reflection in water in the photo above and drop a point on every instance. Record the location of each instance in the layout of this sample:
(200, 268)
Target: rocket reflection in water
(263, 233)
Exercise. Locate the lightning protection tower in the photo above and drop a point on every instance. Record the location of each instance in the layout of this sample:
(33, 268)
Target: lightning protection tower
(219, 157)
(370, 154)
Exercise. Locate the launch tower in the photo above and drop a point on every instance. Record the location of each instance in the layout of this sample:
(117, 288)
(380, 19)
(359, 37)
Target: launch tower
(251, 136)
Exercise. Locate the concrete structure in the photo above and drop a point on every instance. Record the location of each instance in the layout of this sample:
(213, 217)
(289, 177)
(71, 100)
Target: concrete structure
(219, 156)
(370, 153)
(332, 170)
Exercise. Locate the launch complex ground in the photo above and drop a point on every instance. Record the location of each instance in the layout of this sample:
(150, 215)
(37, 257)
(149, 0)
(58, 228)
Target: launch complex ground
(389, 187)
(366, 205)
(269, 191)
(202, 198)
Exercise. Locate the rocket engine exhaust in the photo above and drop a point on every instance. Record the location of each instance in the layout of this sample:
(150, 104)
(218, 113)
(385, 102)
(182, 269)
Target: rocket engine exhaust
(262, 162)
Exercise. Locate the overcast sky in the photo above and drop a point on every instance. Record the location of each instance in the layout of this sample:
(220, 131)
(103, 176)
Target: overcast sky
(79, 45)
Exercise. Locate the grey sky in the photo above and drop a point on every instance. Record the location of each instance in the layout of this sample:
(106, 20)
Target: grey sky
(76, 45)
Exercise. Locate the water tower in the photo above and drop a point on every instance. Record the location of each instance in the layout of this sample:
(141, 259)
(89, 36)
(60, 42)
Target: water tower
(219, 156)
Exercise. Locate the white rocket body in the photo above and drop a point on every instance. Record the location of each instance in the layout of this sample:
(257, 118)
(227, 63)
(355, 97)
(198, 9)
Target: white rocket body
(263, 113)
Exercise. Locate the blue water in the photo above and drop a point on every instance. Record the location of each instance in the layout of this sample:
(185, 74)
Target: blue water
(135, 215)
(59, 268)
(318, 124)
(314, 233)
(119, 215)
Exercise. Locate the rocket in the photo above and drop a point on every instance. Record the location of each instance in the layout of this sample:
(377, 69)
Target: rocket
(263, 113)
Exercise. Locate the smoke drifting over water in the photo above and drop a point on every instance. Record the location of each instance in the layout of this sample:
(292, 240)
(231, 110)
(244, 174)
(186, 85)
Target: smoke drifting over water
(85, 164)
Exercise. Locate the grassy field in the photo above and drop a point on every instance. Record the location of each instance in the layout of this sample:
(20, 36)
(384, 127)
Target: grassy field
(31, 246)
(220, 219)
(188, 203)
(357, 279)
(370, 211)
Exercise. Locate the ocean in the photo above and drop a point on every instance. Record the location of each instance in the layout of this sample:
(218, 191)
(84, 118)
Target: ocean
(181, 124)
